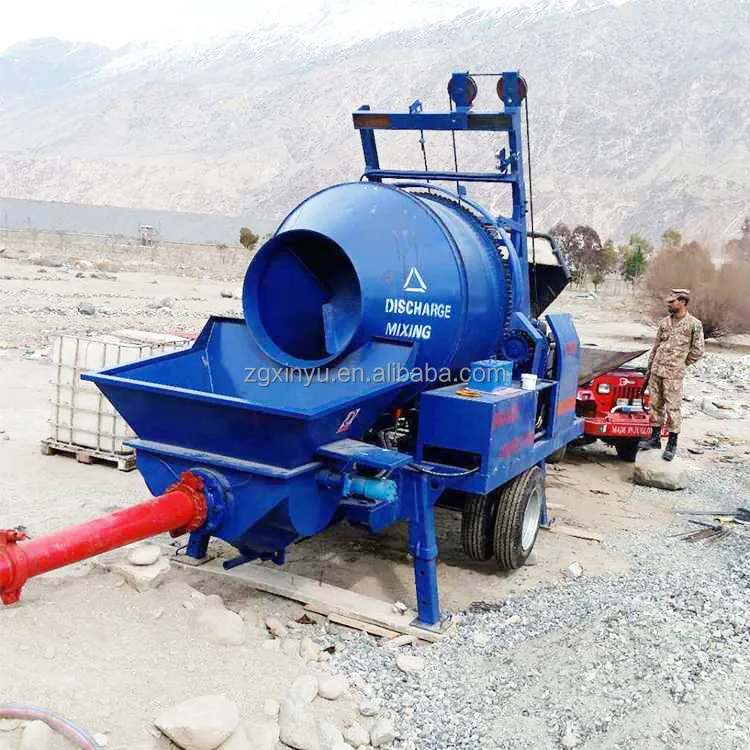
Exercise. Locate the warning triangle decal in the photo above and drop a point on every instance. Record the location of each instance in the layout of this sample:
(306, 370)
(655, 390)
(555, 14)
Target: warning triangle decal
(414, 282)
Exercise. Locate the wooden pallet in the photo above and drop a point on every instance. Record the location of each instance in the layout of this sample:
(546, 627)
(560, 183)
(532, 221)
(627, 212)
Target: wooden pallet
(339, 605)
(86, 455)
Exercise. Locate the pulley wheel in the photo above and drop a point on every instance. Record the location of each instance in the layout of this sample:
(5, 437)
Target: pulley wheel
(518, 517)
(522, 88)
(477, 522)
(462, 90)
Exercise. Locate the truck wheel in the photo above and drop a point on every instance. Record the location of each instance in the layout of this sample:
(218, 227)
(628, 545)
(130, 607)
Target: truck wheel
(557, 456)
(519, 511)
(477, 521)
(627, 450)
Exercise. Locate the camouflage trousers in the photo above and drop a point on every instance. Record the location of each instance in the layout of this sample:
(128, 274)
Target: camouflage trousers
(666, 395)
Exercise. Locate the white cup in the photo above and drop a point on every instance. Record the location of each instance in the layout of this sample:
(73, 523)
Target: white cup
(528, 382)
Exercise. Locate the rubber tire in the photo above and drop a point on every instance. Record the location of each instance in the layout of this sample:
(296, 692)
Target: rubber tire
(506, 538)
(627, 450)
(557, 456)
(477, 522)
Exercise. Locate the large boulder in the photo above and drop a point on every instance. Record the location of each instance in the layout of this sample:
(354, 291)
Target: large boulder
(409, 663)
(651, 470)
(298, 727)
(256, 735)
(332, 686)
(304, 689)
(239, 741)
(220, 626)
(355, 734)
(142, 577)
(382, 733)
(329, 735)
(36, 736)
(144, 554)
(200, 723)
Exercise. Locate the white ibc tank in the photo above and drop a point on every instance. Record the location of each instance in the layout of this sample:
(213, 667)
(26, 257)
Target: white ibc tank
(80, 414)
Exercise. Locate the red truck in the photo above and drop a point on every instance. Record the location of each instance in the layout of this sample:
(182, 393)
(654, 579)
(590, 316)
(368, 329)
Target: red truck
(613, 402)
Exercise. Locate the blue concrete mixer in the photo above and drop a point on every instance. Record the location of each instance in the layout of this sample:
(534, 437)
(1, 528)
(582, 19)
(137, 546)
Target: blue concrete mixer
(391, 358)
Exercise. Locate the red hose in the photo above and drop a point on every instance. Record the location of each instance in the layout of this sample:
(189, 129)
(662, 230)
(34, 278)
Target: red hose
(180, 510)
(79, 737)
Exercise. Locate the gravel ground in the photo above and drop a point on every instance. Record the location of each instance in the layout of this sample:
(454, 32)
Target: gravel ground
(656, 657)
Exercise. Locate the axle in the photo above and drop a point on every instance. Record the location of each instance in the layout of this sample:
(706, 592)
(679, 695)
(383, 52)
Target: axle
(180, 510)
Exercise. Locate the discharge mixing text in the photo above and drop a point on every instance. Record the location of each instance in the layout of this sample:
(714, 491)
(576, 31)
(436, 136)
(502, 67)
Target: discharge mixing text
(394, 373)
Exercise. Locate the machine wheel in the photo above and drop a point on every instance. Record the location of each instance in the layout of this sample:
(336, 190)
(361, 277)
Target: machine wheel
(627, 450)
(517, 523)
(557, 456)
(477, 521)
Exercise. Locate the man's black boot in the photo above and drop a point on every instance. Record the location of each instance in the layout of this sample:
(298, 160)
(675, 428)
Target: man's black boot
(653, 442)
(671, 449)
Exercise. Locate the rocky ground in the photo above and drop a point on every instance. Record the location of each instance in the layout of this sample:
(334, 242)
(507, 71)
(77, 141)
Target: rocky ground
(81, 288)
(640, 641)
(657, 656)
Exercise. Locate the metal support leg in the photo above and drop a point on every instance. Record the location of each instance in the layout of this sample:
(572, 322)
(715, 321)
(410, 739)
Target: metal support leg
(544, 520)
(197, 546)
(423, 546)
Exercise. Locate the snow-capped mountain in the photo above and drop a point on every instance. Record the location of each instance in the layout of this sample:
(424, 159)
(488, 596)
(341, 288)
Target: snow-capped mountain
(639, 108)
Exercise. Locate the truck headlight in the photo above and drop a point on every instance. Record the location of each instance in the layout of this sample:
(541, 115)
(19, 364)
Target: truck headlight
(603, 388)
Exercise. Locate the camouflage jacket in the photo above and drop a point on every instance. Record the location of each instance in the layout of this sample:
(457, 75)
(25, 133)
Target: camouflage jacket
(679, 344)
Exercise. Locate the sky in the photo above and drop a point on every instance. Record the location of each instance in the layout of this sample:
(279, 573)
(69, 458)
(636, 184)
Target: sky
(114, 23)
(117, 22)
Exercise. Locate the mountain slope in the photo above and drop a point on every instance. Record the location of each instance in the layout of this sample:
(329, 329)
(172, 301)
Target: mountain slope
(639, 111)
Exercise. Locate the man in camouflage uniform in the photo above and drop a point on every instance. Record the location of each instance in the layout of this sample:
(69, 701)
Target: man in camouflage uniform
(679, 344)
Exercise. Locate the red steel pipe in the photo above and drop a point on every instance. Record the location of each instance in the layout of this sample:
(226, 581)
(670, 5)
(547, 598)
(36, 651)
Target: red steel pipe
(180, 510)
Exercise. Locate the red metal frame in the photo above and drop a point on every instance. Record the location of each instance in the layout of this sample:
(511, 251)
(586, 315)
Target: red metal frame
(181, 509)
